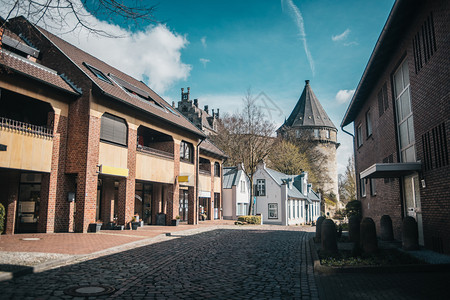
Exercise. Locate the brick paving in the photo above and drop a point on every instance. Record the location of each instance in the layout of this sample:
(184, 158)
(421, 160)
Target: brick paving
(261, 263)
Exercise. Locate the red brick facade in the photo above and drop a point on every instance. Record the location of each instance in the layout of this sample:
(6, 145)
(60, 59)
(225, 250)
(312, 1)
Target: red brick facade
(428, 63)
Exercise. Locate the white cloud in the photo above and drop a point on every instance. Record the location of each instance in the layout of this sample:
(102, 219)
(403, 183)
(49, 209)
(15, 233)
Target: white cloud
(344, 96)
(342, 36)
(204, 61)
(296, 15)
(153, 53)
(203, 40)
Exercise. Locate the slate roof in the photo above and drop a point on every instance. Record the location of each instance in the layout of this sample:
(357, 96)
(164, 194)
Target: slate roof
(230, 177)
(156, 107)
(308, 112)
(23, 66)
(280, 178)
(207, 147)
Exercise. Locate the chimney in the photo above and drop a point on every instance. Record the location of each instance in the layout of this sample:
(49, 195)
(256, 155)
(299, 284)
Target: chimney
(173, 104)
(217, 114)
(196, 102)
(240, 166)
(212, 113)
(206, 108)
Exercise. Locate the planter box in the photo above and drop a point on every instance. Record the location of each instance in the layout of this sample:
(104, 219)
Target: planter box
(95, 227)
(175, 222)
(135, 225)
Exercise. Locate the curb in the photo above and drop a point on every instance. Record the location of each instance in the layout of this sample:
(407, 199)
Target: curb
(320, 269)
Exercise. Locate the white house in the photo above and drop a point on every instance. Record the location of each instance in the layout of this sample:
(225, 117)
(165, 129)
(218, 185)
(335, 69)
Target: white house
(236, 192)
(284, 199)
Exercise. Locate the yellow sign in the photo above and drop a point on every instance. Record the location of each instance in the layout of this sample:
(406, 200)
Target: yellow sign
(107, 170)
(183, 178)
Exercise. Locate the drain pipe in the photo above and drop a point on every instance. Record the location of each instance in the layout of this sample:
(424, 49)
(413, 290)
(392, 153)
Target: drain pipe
(197, 164)
(354, 156)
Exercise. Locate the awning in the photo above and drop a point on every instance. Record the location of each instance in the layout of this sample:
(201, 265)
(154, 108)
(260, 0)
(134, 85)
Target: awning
(391, 170)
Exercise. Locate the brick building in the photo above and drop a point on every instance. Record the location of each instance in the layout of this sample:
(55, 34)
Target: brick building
(84, 142)
(400, 112)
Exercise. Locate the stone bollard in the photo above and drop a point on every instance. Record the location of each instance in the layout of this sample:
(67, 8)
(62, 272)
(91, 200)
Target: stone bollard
(328, 233)
(353, 228)
(368, 236)
(387, 233)
(319, 228)
(410, 234)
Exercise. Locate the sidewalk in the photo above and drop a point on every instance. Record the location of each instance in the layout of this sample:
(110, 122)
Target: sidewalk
(30, 253)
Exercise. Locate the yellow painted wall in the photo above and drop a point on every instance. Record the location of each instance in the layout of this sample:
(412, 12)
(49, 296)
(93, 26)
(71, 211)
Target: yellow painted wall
(25, 151)
(204, 183)
(113, 156)
(188, 170)
(153, 168)
(217, 185)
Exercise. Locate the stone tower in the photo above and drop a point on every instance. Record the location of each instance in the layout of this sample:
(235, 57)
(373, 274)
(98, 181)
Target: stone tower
(310, 123)
(199, 117)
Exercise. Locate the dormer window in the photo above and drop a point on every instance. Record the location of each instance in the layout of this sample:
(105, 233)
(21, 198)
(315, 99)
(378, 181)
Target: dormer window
(99, 74)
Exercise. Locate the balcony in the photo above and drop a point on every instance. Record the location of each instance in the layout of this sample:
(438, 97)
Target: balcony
(28, 146)
(153, 151)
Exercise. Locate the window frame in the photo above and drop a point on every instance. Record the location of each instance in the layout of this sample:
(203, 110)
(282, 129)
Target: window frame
(260, 187)
(98, 74)
(274, 208)
(373, 187)
(183, 153)
(114, 118)
(359, 135)
(362, 187)
(216, 169)
(369, 129)
(242, 186)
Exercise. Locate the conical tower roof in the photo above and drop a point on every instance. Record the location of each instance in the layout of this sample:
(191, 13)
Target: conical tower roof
(308, 112)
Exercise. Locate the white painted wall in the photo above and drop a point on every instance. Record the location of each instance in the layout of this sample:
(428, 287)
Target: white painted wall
(273, 195)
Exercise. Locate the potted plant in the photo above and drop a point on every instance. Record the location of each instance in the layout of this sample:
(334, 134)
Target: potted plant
(95, 227)
(134, 224)
(176, 221)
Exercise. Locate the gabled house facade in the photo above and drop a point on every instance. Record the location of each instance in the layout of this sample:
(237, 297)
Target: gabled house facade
(109, 146)
(400, 113)
(236, 192)
(284, 199)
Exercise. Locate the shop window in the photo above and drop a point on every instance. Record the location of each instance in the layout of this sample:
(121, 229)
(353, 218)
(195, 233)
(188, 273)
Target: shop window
(113, 129)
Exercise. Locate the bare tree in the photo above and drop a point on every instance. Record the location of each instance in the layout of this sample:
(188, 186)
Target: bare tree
(59, 14)
(347, 182)
(246, 136)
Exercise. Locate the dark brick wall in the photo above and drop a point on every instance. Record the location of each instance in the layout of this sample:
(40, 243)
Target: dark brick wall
(430, 96)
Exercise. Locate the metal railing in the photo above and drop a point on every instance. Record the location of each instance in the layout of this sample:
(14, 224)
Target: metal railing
(204, 172)
(26, 127)
(154, 151)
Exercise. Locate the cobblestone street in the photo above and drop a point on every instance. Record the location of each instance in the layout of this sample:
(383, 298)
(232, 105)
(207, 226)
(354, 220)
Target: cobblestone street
(219, 264)
(261, 262)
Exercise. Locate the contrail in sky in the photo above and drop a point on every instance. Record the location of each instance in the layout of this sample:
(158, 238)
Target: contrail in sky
(296, 15)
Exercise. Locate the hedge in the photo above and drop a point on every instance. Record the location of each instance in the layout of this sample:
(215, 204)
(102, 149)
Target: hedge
(250, 219)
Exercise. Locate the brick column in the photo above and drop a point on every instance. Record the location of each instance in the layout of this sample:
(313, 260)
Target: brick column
(86, 198)
(10, 186)
(211, 199)
(173, 200)
(192, 204)
(53, 194)
(127, 185)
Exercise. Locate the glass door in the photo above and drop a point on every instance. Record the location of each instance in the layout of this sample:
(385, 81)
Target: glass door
(183, 210)
(412, 202)
(28, 204)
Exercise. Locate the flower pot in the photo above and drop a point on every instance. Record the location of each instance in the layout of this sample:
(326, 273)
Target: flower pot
(175, 222)
(135, 225)
(95, 227)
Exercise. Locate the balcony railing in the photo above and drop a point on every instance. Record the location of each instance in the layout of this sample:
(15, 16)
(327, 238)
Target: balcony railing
(25, 127)
(155, 151)
(204, 172)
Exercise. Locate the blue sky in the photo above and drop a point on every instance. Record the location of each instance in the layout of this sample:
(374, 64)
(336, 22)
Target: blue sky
(234, 45)
(222, 48)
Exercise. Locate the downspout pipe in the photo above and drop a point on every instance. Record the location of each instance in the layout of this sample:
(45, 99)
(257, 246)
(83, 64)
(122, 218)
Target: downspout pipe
(354, 156)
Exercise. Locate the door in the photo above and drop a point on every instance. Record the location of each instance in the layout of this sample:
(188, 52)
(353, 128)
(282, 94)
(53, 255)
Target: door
(28, 204)
(412, 202)
(183, 212)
